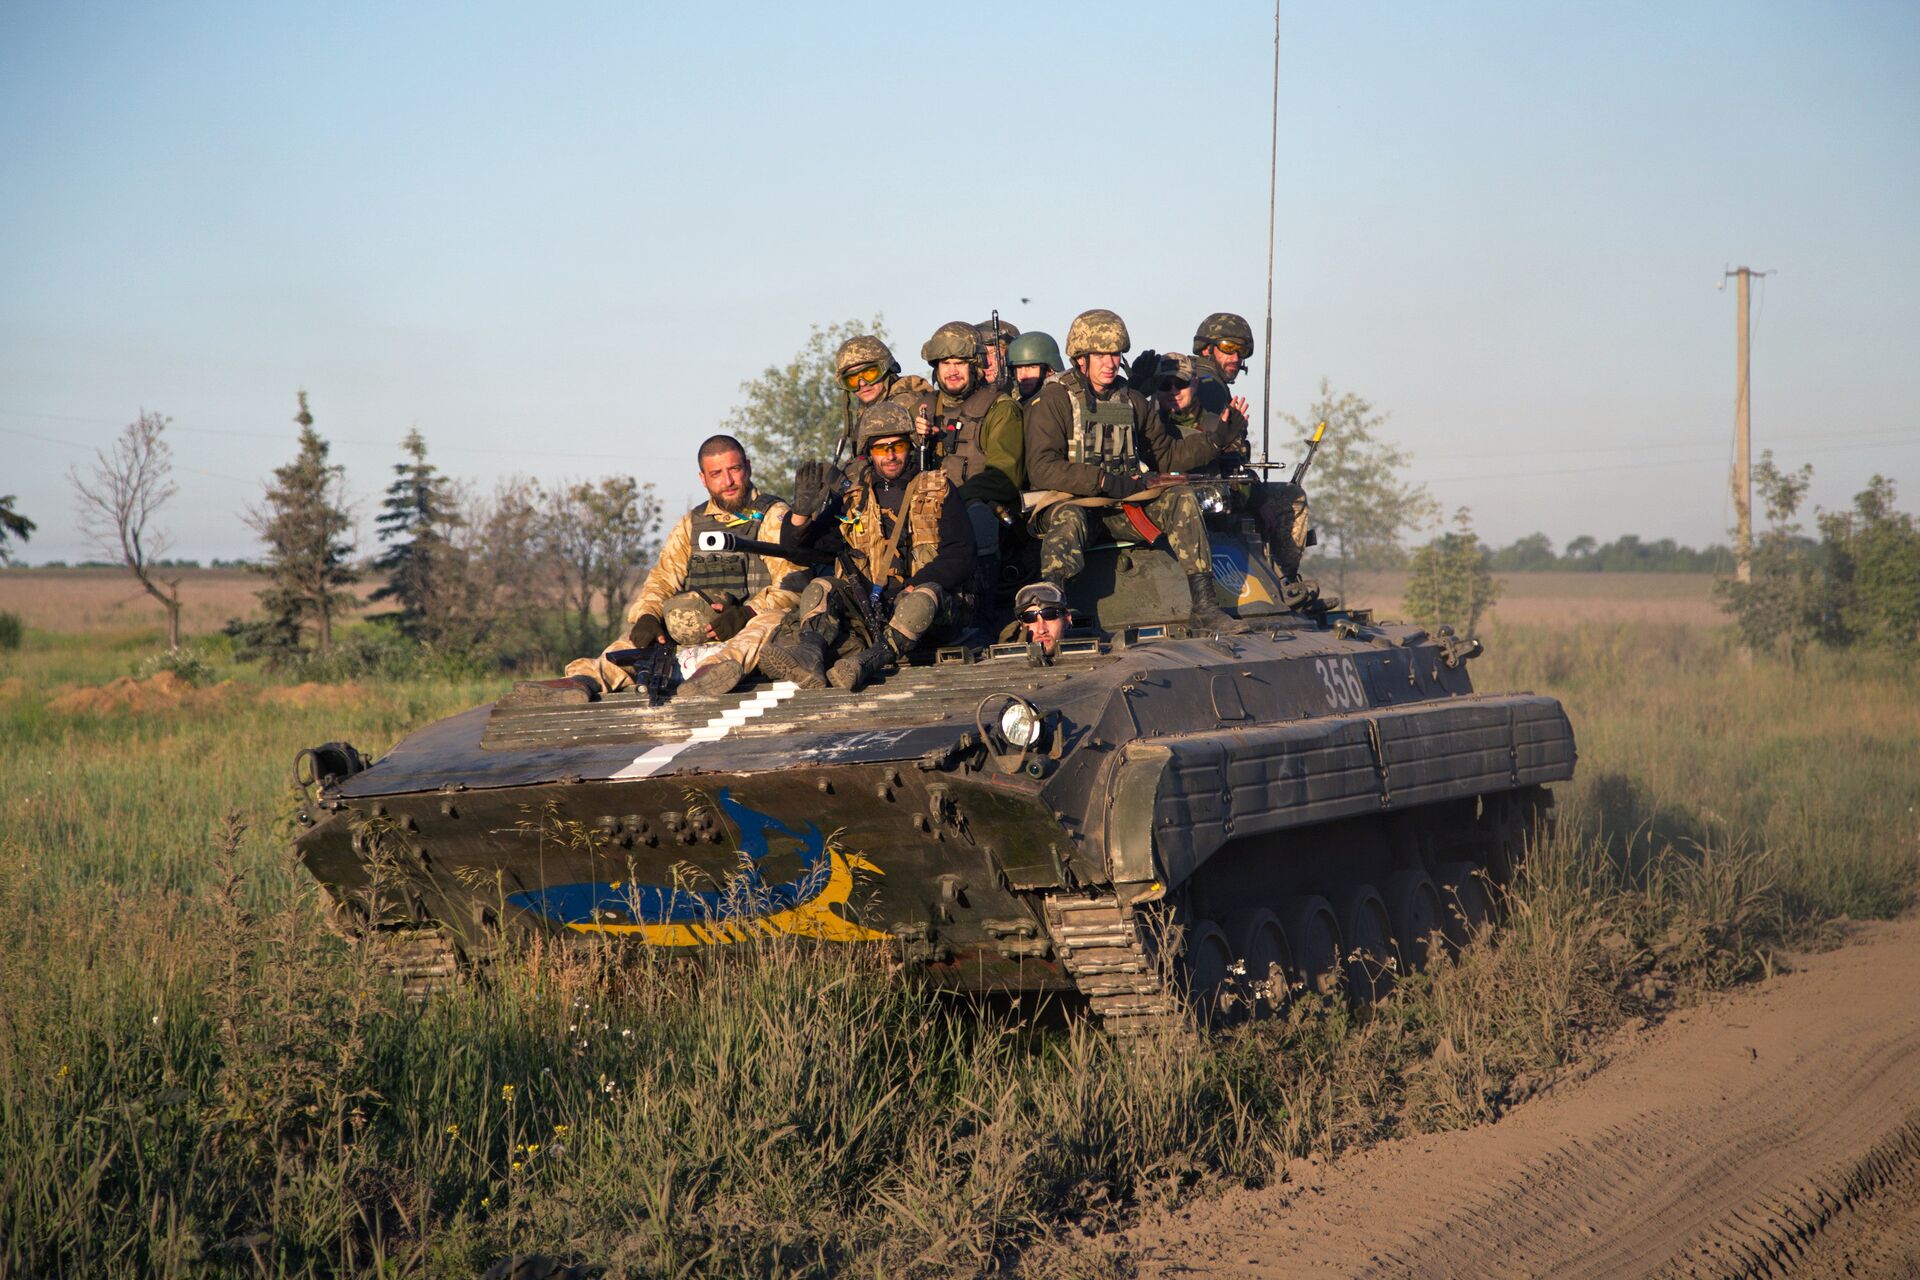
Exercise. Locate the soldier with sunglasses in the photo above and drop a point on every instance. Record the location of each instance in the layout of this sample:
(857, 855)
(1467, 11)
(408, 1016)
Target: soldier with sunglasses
(1041, 611)
(870, 375)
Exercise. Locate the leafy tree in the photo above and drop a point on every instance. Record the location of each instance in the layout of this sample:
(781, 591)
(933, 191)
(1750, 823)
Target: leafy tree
(1531, 553)
(12, 525)
(1873, 565)
(417, 519)
(304, 523)
(796, 411)
(1361, 506)
(599, 536)
(1582, 547)
(120, 496)
(1450, 579)
(1785, 606)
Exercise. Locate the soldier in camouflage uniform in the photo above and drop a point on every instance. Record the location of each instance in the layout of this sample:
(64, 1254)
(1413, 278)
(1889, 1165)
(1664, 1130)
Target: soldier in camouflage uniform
(995, 334)
(910, 538)
(982, 446)
(1094, 445)
(1033, 357)
(699, 597)
(869, 374)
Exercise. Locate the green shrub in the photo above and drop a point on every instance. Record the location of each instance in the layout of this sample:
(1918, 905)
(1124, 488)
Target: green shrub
(10, 630)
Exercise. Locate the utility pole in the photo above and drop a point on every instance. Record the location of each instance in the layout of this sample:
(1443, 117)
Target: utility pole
(1743, 430)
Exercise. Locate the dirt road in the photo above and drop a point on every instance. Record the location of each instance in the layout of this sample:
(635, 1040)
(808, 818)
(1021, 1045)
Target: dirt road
(1772, 1132)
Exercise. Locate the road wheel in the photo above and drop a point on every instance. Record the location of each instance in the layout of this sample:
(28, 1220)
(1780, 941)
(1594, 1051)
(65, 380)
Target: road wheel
(1466, 912)
(1368, 940)
(1413, 909)
(1262, 947)
(1207, 965)
(1313, 937)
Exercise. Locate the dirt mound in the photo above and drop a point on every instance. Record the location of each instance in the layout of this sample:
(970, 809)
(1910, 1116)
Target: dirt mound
(163, 691)
(310, 694)
(1774, 1132)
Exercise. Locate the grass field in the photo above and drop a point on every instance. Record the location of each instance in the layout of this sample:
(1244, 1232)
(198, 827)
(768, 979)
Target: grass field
(197, 1078)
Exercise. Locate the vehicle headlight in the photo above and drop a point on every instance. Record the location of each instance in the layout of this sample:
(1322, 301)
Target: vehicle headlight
(1020, 724)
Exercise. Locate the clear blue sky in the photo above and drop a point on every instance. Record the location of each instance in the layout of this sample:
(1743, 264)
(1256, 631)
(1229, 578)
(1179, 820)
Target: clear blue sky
(557, 239)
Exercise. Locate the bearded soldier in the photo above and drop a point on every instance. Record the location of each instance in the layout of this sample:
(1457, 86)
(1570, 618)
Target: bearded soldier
(698, 597)
(1033, 357)
(1093, 444)
(908, 533)
(982, 442)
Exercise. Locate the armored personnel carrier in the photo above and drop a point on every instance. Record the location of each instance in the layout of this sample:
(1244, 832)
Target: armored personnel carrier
(1173, 825)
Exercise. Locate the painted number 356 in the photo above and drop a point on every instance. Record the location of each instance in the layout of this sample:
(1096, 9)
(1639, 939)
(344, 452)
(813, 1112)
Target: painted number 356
(1342, 680)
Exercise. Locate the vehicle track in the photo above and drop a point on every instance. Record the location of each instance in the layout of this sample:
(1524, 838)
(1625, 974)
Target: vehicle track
(1772, 1132)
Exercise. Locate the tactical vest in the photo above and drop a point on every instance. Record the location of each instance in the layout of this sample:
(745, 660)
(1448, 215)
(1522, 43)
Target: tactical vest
(869, 536)
(1103, 430)
(741, 575)
(960, 434)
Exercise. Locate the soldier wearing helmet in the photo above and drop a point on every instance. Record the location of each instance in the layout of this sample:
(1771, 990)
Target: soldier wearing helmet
(1093, 446)
(908, 534)
(694, 597)
(995, 334)
(869, 374)
(1224, 341)
(982, 442)
(1033, 357)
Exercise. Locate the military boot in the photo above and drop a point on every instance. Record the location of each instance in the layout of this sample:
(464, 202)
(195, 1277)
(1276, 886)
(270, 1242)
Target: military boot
(801, 658)
(566, 691)
(855, 673)
(720, 676)
(1207, 614)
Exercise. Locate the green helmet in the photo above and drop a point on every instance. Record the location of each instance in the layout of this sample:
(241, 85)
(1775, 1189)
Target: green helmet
(996, 333)
(954, 340)
(1098, 330)
(1223, 326)
(859, 352)
(881, 420)
(1035, 348)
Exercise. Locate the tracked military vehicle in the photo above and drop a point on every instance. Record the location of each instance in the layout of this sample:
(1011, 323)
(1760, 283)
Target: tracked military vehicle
(1170, 824)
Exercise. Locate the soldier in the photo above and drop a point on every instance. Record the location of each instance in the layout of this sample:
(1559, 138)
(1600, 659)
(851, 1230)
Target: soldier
(995, 334)
(1033, 357)
(1223, 343)
(983, 442)
(696, 597)
(1041, 611)
(1177, 396)
(869, 373)
(1092, 444)
(910, 537)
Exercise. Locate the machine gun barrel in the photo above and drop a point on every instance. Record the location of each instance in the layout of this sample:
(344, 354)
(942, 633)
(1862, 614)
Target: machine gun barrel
(1313, 447)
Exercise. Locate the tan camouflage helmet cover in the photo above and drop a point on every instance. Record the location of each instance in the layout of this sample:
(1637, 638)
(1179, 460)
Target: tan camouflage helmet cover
(1175, 364)
(1098, 330)
(1223, 326)
(996, 333)
(954, 340)
(879, 421)
(856, 353)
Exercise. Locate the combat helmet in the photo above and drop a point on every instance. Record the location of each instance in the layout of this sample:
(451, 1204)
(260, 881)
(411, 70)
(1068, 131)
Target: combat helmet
(1223, 326)
(954, 340)
(864, 350)
(879, 421)
(1098, 330)
(1035, 347)
(996, 332)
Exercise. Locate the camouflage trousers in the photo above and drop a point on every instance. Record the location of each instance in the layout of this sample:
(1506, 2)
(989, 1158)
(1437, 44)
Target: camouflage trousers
(830, 607)
(1064, 529)
(685, 620)
(1280, 509)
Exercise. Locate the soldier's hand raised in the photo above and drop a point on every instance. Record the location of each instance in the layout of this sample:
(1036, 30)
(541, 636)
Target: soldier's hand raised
(813, 484)
(1240, 405)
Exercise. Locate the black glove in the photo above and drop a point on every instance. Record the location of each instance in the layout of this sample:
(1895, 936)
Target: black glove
(813, 484)
(1143, 374)
(646, 630)
(1113, 486)
(727, 622)
(1225, 436)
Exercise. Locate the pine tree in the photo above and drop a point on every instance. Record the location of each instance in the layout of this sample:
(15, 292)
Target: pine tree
(416, 520)
(12, 525)
(304, 524)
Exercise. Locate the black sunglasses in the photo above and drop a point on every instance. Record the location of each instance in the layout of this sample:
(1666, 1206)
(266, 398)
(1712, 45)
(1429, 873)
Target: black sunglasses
(1173, 384)
(1049, 612)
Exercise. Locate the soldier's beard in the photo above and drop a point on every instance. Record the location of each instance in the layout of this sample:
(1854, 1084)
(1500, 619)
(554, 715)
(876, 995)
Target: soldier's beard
(736, 504)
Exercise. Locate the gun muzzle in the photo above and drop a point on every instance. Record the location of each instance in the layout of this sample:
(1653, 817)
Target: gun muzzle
(716, 540)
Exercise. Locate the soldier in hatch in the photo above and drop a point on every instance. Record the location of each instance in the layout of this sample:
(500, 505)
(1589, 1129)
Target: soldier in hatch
(908, 533)
(1033, 357)
(698, 597)
(982, 442)
(1040, 611)
(1093, 446)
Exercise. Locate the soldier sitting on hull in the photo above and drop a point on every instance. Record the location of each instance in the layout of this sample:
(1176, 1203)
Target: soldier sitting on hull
(995, 334)
(982, 445)
(909, 535)
(696, 597)
(1093, 445)
(1033, 358)
(869, 373)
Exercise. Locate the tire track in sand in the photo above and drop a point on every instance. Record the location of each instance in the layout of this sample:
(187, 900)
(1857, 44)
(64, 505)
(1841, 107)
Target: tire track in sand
(1772, 1132)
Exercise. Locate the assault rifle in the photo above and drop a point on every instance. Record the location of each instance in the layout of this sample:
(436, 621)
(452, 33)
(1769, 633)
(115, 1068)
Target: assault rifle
(847, 568)
(1313, 447)
(654, 667)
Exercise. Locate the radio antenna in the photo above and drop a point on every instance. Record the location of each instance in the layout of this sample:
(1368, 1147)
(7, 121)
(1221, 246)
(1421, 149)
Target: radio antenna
(1273, 180)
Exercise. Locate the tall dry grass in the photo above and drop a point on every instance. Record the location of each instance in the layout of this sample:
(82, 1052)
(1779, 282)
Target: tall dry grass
(197, 1077)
